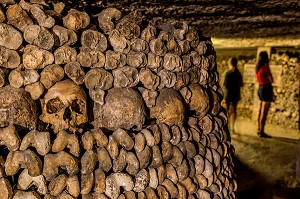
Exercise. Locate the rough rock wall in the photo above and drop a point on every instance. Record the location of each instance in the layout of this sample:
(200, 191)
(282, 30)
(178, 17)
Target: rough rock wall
(285, 110)
(226, 18)
(108, 106)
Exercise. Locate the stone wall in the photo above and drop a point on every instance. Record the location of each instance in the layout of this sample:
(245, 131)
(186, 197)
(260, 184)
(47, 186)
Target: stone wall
(222, 19)
(285, 110)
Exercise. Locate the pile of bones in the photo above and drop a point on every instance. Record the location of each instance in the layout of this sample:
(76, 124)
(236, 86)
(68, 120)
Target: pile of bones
(108, 106)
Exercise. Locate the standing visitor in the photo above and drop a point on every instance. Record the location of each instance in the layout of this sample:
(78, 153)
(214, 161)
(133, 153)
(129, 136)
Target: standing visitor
(265, 91)
(232, 83)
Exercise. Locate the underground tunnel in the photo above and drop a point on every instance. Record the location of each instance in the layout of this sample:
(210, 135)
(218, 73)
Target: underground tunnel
(125, 99)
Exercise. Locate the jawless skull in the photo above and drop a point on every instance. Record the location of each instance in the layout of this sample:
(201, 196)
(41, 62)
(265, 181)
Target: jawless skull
(169, 108)
(64, 106)
(17, 107)
(123, 108)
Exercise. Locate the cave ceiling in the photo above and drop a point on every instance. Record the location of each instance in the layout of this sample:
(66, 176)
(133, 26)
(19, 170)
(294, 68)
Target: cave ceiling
(216, 18)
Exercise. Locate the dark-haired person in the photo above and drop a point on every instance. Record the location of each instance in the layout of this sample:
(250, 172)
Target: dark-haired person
(265, 91)
(233, 81)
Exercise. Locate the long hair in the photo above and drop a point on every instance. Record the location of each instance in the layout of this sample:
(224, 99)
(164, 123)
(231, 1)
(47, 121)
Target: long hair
(263, 59)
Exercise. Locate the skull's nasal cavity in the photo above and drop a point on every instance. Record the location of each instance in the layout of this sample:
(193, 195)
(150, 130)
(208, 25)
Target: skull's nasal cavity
(67, 114)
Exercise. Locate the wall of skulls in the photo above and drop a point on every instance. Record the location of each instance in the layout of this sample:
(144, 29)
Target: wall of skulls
(285, 110)
(108, 106)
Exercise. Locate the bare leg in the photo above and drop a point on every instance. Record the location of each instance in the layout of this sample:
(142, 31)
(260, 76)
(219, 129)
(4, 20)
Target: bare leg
(259, 116)
(233, 115)
(263, 118)
(228, 114)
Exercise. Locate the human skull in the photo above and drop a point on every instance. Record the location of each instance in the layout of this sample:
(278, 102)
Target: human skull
(16, 107)
(64, 106)
(123, 108)
(199, 101)
(170, 107)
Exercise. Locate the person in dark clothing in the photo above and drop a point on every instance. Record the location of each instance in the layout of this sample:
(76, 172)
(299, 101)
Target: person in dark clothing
(233, 82)
(265, 91)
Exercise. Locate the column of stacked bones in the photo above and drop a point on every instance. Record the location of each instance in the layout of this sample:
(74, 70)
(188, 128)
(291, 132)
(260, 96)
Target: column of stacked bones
(112, 109)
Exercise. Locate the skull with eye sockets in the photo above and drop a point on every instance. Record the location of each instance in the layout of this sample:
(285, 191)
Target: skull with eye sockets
(64, 106)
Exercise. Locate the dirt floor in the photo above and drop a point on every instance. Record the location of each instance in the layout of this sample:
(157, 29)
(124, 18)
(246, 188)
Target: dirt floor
(266, 167)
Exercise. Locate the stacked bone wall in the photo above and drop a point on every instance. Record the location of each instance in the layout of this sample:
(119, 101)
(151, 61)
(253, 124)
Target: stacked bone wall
(285, 110)
(108, 106)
